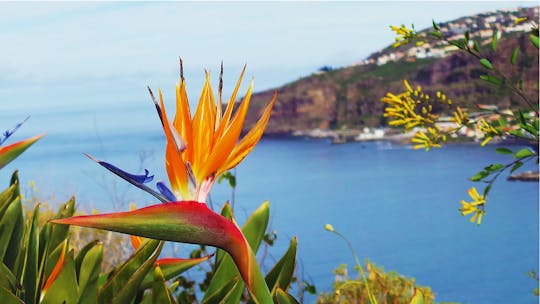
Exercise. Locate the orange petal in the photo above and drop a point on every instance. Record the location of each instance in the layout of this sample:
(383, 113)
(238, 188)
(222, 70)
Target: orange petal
(228, 111)
(203, 129)
(249, 141)
(136, 241)
(175, 166)
(182, 120)
(56, 269)
(228, 140)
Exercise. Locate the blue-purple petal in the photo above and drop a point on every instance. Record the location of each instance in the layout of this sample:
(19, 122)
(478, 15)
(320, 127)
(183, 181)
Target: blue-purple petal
(136, 180)
(139, 179)
(163, 189)
(8, 133)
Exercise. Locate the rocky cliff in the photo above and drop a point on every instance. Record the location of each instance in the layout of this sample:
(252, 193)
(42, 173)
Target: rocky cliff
(350, 97)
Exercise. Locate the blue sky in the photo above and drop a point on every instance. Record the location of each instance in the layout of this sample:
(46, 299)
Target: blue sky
(63, 56)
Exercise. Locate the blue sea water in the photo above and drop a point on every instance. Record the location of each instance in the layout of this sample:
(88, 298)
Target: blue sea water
(397, 206)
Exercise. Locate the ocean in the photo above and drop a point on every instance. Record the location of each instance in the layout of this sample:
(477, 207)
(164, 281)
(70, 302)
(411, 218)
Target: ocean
(398, 207)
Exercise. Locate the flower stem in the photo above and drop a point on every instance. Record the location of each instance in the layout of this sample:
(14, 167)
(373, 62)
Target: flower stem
(362, 273)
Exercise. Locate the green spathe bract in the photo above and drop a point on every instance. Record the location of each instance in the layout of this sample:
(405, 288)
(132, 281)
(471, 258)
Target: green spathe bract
(186, 222)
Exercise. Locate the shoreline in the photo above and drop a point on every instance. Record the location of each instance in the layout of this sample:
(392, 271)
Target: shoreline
(337, 137)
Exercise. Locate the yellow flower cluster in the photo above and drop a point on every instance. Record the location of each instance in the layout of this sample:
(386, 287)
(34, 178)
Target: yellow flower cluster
(476, 206)
(410, 108)
(404, 35)
(520, 20)
(431, 138)
(461, 117)
(488, 130)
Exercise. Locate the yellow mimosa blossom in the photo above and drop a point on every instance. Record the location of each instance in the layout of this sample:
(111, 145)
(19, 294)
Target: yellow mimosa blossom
(404, 35)
(520, 20)
(488, 130)
(461, 118)
(409, 109)
(476, 206)
(432, 138)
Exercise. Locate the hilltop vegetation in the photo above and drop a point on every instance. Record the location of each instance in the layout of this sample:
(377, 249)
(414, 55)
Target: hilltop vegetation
(349, 97)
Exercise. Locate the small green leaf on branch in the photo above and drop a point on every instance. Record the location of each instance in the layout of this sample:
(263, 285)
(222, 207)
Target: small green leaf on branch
(516, 166)
(495, 41)
(435, 25)
(503, 150)
(476, 46)
(491, 79)
(514, 55)
(486, 63)
(486, 191)
(534, 40)
(436, 34)
(525, 152)
(479, 176)
(493, 167)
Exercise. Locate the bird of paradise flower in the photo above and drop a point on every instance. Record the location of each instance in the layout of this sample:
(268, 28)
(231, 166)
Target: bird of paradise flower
(10, 152)
(199, 148)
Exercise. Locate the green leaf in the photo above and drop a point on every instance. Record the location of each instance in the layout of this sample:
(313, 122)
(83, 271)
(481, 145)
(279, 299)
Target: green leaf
(534, 40)
(486, 191)
(516, 166)
(467, 36)
(8, 224)
(532, 130)
(229, 177)
(495, 40)
(280, 276)
(522, 119)
(223, 293)
(160, 292)
(7, 278)
(128, 292)
(310, 288)
(486, 63)
(123, 284)
(492, 79)
(479, 176)
(476, 46)
(458, 43)
(8, 297)
(502, 123)
(436, 34)
(82, 254)
(88, 274)
(517, 133)
(525, 152)
(503, 150)
(6, 197)
(493, 167)
(514, 55)
(282, 297)
(64, 288)
(170, 268)
(435, 25)
(30, 277)
(60, 232)
(253, 231)
(12, 253)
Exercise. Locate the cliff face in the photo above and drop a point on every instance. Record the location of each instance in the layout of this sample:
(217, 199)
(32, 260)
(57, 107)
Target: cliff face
(350, 97)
